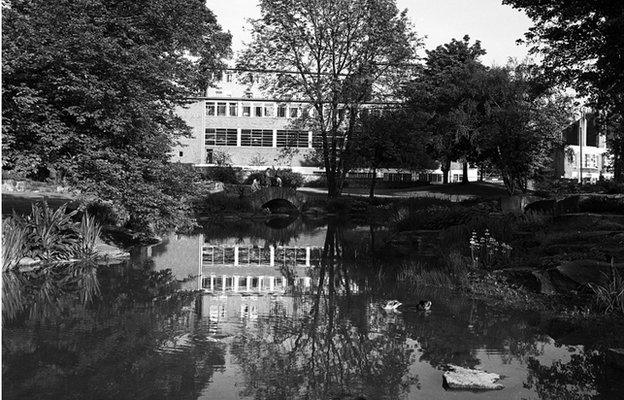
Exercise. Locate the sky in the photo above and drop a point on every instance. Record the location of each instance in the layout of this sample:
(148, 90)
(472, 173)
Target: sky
(497, 26)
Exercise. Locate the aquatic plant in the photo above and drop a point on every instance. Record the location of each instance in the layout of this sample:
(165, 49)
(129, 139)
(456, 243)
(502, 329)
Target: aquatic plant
(417, 273)
(50, 234)
(13, 243)
(610, 296)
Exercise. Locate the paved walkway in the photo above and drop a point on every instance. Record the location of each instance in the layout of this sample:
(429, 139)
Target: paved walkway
(451, 192)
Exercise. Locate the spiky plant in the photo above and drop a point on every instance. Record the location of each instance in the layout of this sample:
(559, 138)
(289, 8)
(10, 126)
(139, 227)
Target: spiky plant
(610, 296)
(13, 243)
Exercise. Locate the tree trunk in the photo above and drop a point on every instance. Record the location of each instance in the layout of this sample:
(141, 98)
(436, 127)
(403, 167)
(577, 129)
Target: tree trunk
(465, 172)
(446, 167)
(372, 184)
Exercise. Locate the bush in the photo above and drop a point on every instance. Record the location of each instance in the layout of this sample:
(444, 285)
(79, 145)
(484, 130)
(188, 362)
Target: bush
(225, 174)
(260, 176)
(610, 204)
(320, 182)
(103, 212)
(290, 179)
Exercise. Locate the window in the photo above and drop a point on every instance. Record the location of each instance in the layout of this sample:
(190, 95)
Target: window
(246, 110)
(294, 112)
(360, 175)
(181, 154)
(268, 110)
(397, 177)
(220, 137)
(591, 161)
(228, 77)
(257, 137)
(233, 109)
(210, 108)
(221, 109)
(281, 111)
(292, 138)
(258, 112)
(317, 140)
(209, 159)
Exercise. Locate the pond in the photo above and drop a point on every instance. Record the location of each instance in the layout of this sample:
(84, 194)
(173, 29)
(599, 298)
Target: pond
(285, 311)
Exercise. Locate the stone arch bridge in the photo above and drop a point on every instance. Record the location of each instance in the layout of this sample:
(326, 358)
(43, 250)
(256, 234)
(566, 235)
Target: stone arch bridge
(275, 198)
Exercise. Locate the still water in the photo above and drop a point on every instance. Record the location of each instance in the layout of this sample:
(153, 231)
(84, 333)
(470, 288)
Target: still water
(252, 311)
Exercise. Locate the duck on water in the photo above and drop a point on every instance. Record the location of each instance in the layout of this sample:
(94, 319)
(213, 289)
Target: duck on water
(393, 306)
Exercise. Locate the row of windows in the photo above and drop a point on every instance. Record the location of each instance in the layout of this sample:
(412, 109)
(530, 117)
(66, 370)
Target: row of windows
(231, 109)
(256, 137)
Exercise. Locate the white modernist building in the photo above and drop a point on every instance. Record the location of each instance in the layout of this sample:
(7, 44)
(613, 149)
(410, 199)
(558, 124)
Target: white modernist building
(252, 130)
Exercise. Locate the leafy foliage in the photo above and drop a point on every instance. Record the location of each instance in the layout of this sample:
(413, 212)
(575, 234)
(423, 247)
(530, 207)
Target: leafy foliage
(446, 99)
(521, 125)
(582, 44)
(332, 53)
(389, 140)
(89, 89)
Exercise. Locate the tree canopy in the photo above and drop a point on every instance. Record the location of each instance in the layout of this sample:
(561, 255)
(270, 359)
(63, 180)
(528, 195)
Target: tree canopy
(90, 87)
(445, 97)
(582, 43)
(390, 140)
(331, 54)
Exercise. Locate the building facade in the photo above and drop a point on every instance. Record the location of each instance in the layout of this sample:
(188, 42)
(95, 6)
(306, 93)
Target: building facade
(584, 157)
(240, 124)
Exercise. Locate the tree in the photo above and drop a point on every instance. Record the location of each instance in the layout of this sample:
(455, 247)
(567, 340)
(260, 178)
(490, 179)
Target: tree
(445, 97)
(582, 43)
(389, 140)
(521, 124)
(330, 53)
(89, 89)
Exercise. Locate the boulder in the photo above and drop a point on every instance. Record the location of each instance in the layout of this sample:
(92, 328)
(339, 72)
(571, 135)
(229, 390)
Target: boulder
(459, 378)
(542, 206)
(616, 357)
(583, 272)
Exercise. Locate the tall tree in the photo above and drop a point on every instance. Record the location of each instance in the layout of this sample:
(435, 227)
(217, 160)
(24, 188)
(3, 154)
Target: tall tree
(89, 91)
(389, 140)
(331, 54)
(521, 124)
(445, 96)
(582, 43)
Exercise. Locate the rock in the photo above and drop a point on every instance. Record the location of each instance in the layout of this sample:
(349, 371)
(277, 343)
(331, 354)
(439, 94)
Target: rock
(587, 271)
(616, 357)
(568, 205)
(542, 206)
(459, 378)
(110, 252)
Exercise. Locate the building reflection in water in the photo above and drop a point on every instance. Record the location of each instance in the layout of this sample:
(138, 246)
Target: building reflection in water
(244, 280)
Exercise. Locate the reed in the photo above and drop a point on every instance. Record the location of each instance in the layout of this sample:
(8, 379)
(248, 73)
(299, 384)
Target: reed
(610, 296)
(14, 246)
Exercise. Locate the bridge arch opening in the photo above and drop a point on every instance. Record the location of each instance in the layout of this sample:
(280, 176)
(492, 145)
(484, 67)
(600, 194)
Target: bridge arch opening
(280, 206)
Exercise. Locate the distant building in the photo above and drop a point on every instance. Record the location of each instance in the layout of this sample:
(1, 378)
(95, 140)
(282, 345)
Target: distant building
(584, 153)
(253, 131)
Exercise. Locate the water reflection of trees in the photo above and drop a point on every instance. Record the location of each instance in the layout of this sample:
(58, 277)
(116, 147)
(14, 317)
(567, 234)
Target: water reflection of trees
(127, 343)
(332, 351)
(588, 375)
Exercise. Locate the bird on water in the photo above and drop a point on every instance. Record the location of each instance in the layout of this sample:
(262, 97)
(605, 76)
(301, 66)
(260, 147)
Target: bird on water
(393, 305)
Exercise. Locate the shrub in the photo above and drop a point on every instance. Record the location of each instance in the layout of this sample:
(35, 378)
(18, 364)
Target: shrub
(290, 179)
(103, 212)
(225, 174)
(603, 203)
(260, 176)
(320, 182)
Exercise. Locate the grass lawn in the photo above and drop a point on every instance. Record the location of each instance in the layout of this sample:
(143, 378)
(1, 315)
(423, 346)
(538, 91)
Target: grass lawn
(21, 202)
(451, 191)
